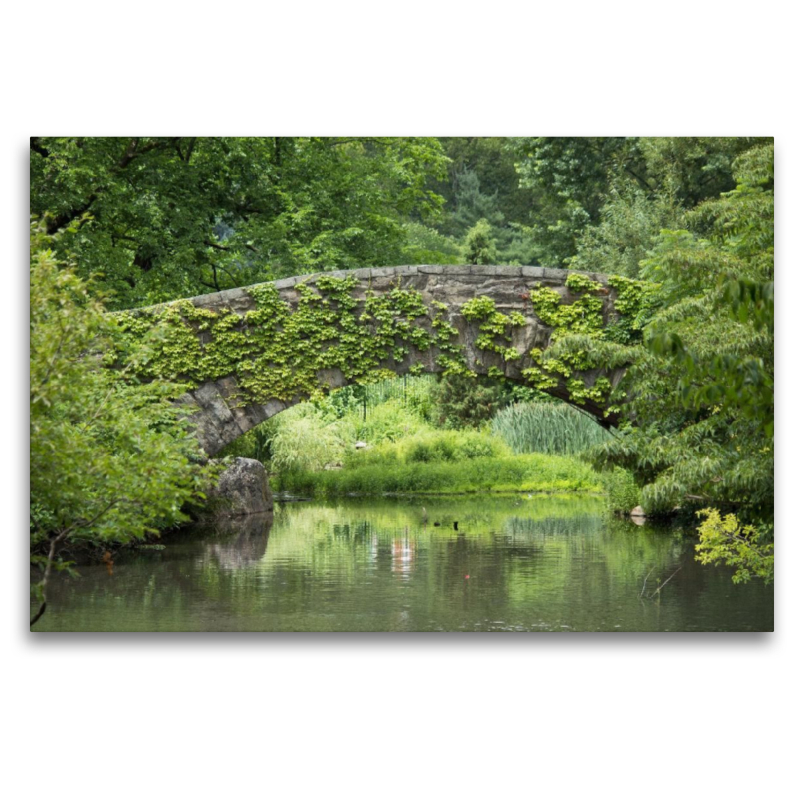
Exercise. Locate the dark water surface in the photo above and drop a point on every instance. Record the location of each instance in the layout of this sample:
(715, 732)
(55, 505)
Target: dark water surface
(514, 564)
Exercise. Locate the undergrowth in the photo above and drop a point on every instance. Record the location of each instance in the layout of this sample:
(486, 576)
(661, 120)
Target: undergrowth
(524, 473)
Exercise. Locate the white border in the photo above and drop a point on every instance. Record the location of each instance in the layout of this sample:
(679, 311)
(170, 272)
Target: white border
(387, 716)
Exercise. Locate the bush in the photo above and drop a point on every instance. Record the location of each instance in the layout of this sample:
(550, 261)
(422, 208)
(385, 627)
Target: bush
(480, 246)
(463, 402)
(310, 436)
(110, 458)
(725, 540)
(387, 422)
(452, 446)
(431, 446)
(622, 493)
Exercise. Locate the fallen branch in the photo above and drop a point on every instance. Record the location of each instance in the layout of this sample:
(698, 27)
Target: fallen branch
(666, 582)
(644, 585)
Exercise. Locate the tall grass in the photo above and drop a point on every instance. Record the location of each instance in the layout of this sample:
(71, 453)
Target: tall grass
(554, 428)
(525, 473)
(315, 436)
(426, 446)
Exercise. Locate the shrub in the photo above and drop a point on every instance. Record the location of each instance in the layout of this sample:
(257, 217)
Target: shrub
(429, 447)
(387, 422)
(464, 402)
(110, 458)
(622, 493)
(726, 540)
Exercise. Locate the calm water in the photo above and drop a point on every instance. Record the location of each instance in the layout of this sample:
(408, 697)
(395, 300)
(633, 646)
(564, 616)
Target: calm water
(514, 564)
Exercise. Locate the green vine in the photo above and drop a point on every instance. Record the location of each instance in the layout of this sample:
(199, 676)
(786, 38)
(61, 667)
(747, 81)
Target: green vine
(580, 338)
(451, 356)
(634, 304)
(276, 352)
(279, 352)
(493, 324)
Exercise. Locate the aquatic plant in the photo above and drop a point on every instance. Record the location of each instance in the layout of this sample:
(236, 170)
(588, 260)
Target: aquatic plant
(555, 428)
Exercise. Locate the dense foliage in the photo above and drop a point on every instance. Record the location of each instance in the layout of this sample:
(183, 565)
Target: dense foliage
(703, 390)
(157, 218)
(110, 459)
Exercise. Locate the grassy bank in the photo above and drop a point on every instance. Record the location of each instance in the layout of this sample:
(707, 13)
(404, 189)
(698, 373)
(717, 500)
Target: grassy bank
(524, 473)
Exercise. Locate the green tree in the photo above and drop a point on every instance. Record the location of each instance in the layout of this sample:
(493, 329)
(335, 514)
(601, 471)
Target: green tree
(154, 218)
(464, 402)
(570, 177)
(702, 390)
(482, 181)
(479, 245)
(110, 459)
(601, 201)
(629, 222)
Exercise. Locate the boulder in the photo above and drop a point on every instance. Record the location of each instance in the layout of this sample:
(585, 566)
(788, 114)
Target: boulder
(243, 488)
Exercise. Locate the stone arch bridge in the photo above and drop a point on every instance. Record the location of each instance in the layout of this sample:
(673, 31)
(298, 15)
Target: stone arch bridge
(249, 353)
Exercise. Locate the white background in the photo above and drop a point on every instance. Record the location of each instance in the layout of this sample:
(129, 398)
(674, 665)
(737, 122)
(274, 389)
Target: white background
(384, 716)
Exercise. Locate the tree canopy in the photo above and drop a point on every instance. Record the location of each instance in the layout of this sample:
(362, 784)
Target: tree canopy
(110, 457)
(154, 218)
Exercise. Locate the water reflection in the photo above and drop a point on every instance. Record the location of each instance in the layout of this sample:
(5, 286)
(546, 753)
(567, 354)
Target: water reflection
(239, 541)
(403, 553)
(512, 564)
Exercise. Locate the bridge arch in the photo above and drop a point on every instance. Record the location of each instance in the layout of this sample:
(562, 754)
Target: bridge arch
(249, 353)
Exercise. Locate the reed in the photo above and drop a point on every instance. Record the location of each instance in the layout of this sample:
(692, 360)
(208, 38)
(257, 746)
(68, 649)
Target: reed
(552, 428)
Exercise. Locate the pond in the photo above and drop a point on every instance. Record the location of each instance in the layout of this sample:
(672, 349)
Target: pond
(525, 563)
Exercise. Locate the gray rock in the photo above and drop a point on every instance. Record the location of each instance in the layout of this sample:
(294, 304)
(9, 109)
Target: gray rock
(242, 489)
(638, 512)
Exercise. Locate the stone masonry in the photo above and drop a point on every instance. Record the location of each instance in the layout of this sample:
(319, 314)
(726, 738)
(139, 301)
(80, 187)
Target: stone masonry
(220, 420)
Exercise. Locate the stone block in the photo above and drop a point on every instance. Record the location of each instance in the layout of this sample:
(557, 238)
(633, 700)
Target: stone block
(273, 407)
(337, 273)
(231, 296)
(456, 269)
(286, 283)
(532, 272)
(496, 271)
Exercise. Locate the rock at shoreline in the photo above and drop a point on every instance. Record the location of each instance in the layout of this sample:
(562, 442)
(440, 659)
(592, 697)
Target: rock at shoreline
(638, 515)
(242, 489)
